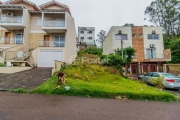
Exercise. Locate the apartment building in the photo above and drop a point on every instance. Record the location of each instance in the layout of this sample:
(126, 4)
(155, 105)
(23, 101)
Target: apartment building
(86, 37)
(36, 35)
(148, 43)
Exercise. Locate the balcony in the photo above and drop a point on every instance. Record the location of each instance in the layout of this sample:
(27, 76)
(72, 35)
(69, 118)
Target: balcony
(166, 56)
(49, 43)
(12, 22)
(11, 40)
(54, 26)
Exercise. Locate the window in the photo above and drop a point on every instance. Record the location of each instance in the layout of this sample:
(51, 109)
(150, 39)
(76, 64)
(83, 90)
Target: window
(82, 38)
(90, 32)
(150, 53)
(59, 41)
(82, 32)
(121, 37)
(141, 35)
(90, 38)
(148, 74)
(133, 35)
(153, 36)
(155, 75)
(39, 22)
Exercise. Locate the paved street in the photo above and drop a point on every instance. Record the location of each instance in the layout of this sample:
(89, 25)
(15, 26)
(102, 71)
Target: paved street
(28, 79)
(47, 107)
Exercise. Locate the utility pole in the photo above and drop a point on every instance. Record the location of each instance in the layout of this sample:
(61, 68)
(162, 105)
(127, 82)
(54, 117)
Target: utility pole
(122, 48)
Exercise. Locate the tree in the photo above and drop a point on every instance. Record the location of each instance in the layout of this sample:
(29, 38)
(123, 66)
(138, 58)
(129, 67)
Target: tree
(129, 52)
(128, 25)
(101, 37)
(165, 13)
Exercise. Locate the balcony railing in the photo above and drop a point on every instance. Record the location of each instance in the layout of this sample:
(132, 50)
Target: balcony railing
(54, 23)
(154, 56)
(11, 40)
(50, 43)
(158, 57)
(11, 19)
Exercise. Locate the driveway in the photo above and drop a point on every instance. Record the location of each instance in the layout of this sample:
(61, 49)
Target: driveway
(57, 107)
(29, 79)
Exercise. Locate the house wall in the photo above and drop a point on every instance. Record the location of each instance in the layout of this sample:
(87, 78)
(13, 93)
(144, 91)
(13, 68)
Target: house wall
(86, 35)
(70, 37)
(27, 21)
(110, 44)
(138, 43)
(55, 7)
(159, 43)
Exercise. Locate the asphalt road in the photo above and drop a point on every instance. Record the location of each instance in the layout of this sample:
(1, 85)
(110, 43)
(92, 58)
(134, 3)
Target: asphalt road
(47, 107)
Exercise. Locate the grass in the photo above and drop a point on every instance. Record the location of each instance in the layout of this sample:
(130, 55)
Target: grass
(101, 81)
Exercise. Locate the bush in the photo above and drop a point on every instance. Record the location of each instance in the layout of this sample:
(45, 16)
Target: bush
(91, 50)
(158, 82)
(2, 65)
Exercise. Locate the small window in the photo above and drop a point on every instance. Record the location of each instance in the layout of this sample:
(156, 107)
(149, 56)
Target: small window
(155, 75)
(133, 35)
(150, 36)
(121, 37)
(39, 22)
(82, 32)
(82, 38)
(156, 36)
(90, 38)
(141, 35)
(90, 32)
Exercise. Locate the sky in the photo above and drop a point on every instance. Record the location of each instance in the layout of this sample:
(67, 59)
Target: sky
(102, 14)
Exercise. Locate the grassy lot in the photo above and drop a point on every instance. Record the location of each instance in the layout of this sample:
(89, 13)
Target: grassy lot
(101, 81)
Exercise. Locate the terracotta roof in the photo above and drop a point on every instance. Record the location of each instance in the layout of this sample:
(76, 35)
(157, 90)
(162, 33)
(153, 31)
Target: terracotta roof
(21, 1)
(52, 3)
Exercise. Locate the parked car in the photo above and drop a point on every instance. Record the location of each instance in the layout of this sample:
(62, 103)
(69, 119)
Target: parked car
(170, 81)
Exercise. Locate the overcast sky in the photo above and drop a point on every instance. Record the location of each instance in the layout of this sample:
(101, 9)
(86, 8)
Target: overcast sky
(102, 14)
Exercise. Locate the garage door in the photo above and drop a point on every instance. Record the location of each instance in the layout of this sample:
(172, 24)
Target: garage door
(47, 57)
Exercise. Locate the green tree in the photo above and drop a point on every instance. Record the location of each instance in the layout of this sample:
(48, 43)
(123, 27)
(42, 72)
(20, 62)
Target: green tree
(165, 13)
(129, 53)
(128, 25)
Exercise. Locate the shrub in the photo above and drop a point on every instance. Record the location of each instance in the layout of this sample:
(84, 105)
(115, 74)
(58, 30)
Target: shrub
(158, 82)
(91, 50)
(1, 65)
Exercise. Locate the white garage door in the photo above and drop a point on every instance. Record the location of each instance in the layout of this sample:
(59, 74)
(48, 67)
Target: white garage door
(47, 57)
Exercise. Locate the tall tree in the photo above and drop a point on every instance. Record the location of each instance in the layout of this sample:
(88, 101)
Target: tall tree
(165, 13)
(101, 37)
(128, 25)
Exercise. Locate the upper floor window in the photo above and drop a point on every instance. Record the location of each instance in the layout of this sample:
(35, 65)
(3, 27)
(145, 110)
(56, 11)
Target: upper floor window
(82, 38)
(153, 36)
(82, 32)
(39, 22)
(133, 35)
(90, 38)
(90, 32)
(121, 37)
(141, 35)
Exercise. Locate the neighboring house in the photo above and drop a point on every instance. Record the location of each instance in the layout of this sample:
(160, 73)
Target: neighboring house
(36, 35)
(86, 37)
(148, 43)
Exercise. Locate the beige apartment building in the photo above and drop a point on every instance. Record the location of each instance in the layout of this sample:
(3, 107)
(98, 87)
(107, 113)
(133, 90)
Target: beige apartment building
(31, 35)
(148, 43)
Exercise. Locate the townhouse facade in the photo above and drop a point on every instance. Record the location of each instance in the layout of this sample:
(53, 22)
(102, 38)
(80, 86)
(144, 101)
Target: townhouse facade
(86, 37)
(148, 43)
(32, 35)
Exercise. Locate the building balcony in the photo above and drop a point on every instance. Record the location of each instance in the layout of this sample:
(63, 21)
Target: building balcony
(165, 56)
(49, 43)
(54, 26)
(8, 41)
(12, 22)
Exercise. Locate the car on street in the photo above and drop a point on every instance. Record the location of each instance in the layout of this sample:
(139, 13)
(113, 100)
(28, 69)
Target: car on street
(170, 81)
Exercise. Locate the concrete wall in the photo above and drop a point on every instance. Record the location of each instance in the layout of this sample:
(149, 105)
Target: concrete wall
(27, 18)
(110, 43)
(70, 39)
(10, 70)
(159, 43)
